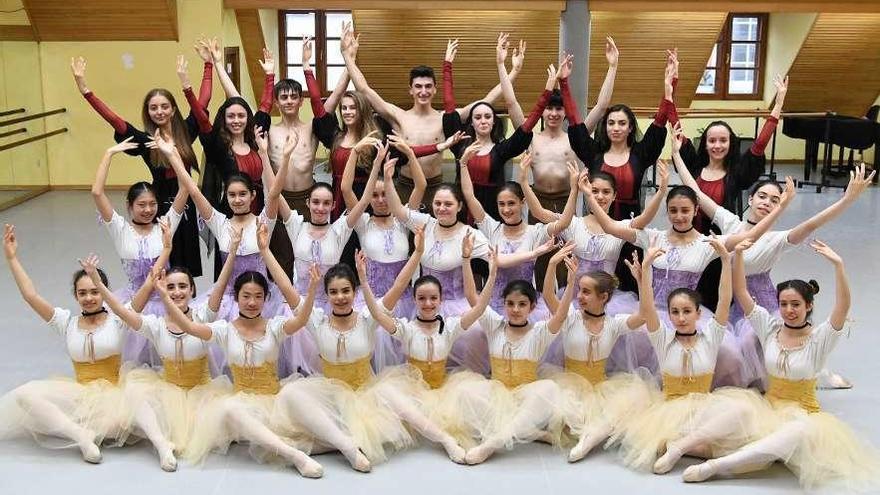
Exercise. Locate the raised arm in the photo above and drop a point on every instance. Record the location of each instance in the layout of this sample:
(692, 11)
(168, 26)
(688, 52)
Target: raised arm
(493, 94)
(199, 110)
(513, 107)
(738, 273)
(608, 225)
(561, 311)
(467, 185)
(542, 214)
(549, 290)
(274, 202)
(647, 307)
(765, 223)
(420, 182)
(564, 220)
(467, 273)
(725, 292)
(652, 206)
(140, 298)
(677, 140)
(293, 325)
(479, 307)
(842, 299)
(184, 180)
(22, 280)
(360, 149)
(399, 211)
(78, 67)
(768, 129)
(355, 212)
(857, 185)
(202, 46)
(291, 295)
(389, 112)
(636, 319)
(329, 106)
(594, 116)
(102, 202)
(219, 287)
(131, 318)
(225, 81)
(176, 316)
(382, 316)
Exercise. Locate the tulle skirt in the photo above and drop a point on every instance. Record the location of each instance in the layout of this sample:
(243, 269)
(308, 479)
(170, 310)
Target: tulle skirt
(176, 408)
(137, 349)
(363, 413)
(644, 437)
(471, 350)
(98, 406)
(473, 409)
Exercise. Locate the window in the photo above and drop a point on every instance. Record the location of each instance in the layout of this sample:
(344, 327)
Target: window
(735, 67)
(325, 29)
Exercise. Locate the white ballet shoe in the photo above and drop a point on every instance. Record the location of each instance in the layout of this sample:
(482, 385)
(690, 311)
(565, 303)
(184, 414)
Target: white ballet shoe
(91, 453)
(580, 450)
(455, 452)
(479, 454)
(168, 462)
(309, 468)
(668, 460)
(700, 472)
(829, 380)
(360, 462)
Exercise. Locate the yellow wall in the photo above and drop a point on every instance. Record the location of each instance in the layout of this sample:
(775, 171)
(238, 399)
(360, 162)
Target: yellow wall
(24, 165)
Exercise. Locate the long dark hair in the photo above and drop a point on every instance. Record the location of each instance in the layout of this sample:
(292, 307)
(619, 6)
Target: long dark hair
(219, 129)
(732, 151)
(602, 129)
(807, 290)
(179, 131)
(498, 128)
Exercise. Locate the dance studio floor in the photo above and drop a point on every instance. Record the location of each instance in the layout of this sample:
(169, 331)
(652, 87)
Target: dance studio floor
(57, 228)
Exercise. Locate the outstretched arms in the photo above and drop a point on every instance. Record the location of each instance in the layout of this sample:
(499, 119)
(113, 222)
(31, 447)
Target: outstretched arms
(594, 116)
(561, 310)
(513, 107)
(102, 202)
(131, 317)
(725, 293)
(842, 297)
(858, 182)
(652, 206)
(22, 280)
(738, 272)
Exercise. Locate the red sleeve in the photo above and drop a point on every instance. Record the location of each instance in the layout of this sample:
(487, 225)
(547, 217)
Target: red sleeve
(207, 85)
(268, 90)
(425, 149)
(314, 94)
(571, 109)
(763, 138)
(663, 112)
(104, 111)
(448, 89)
(672, 116)
(533, 117)
(198, 111)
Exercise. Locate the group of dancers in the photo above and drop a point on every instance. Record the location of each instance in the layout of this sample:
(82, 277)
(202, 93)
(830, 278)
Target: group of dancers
(433, 327)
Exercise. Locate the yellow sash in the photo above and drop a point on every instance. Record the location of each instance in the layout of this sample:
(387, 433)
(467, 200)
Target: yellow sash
(514, 372)
(354, 374)
(593, 372)
(679, 386)
(803, 392)
(433, 372)
(262, 379)
(106, 369)
(186, 374)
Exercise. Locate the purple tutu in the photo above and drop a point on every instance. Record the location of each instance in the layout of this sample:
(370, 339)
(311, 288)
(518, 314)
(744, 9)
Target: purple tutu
(761, 288)
(137, 349)
(382, 277)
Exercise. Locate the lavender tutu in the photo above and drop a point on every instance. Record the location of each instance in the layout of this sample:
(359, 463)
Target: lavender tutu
(762, 290)
(137, 349)
(388, 351)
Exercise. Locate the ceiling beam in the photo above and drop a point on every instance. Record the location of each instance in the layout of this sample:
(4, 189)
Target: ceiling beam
(554, 5)
(838, 6)
(17, 33)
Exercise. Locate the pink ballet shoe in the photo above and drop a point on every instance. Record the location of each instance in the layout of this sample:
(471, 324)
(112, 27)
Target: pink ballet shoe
(700, 472)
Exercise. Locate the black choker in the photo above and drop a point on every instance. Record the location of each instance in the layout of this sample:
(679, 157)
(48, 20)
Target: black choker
(447, 226)
(683, 231)
(517, 224)
(104, 310)
(249, 317)
(513, 325)
(346, 315)
(751, 222)
(679, 334)
(240, 214)
(431, 320)
(376, 215)
(594, 315)
(187, 310)
(319, 224)
(791, 327)
(141, 223)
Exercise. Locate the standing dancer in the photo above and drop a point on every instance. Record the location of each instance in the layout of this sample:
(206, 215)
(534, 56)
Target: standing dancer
(138, 243)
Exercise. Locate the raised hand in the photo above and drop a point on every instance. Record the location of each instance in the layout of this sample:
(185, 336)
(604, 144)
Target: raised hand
(183, 72)
(548, 245)
(268, 62)
(564, 251)
(789, 192)
(360, 263)
(167, 234)
(235, 236)
(585, 186)
(290, 144)
(262, 139)
(635, 267)
(262, 236)
(314, 277)
(662, 174)
(123, 145)
(388, 168)
(612, 54)
(571, 263)
(399, 143)
(781, 84)
(216, 52)
(519, 56)
(454, 139)
(381, 152)
(676, 137)
(90, 265)
(858, 182)
(451, 50)
(654, 251)
(306, 52)
(718, 246)
(366, 143)
(493, 260)
(419, 239)
(825, 251)
(10, 244)
(158, 142)
(78, 68)
(469, 153)
(573, 174)
(203, 48)
(551, 78)
(743, 245)
(501, 48)
(565, 65)
(525, 165)
(467, 244)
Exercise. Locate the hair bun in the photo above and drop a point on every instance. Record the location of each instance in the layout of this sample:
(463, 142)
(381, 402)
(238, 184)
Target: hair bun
(814, 285)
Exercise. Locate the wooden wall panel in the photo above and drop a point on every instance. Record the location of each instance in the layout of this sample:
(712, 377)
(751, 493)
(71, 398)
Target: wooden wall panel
(103, 20)
(394, 41)
(734, 5)
(16, 33)
(251, 32)
(642, 39)
(838, 66)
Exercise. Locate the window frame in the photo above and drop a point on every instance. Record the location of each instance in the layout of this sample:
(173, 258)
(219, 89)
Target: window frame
(722, 60)
(319, 45)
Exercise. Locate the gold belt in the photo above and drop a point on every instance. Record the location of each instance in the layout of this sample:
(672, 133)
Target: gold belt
(514, 372)
(803, 392)
(355, 373)
(679, 386)
(262, 379)
(186, 374)
(106, 369)
(433, 372)
(593, 372)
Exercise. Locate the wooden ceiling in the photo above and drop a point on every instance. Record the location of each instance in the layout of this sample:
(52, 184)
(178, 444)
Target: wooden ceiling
(642, 52)
(530, 5)
(102, 20)
(838, 66)
(810, 6)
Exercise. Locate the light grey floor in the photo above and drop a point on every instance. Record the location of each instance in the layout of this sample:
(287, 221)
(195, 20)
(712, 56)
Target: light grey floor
(57, 228)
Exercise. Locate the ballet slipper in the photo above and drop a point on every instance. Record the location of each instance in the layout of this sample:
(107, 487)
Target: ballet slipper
(585, 444)
(309, 468)
(359, 461)
(455, 452)
(168, 462)
(91, 453)
(829, 380)
(479, 454)
(700, 472)
(668, 460)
